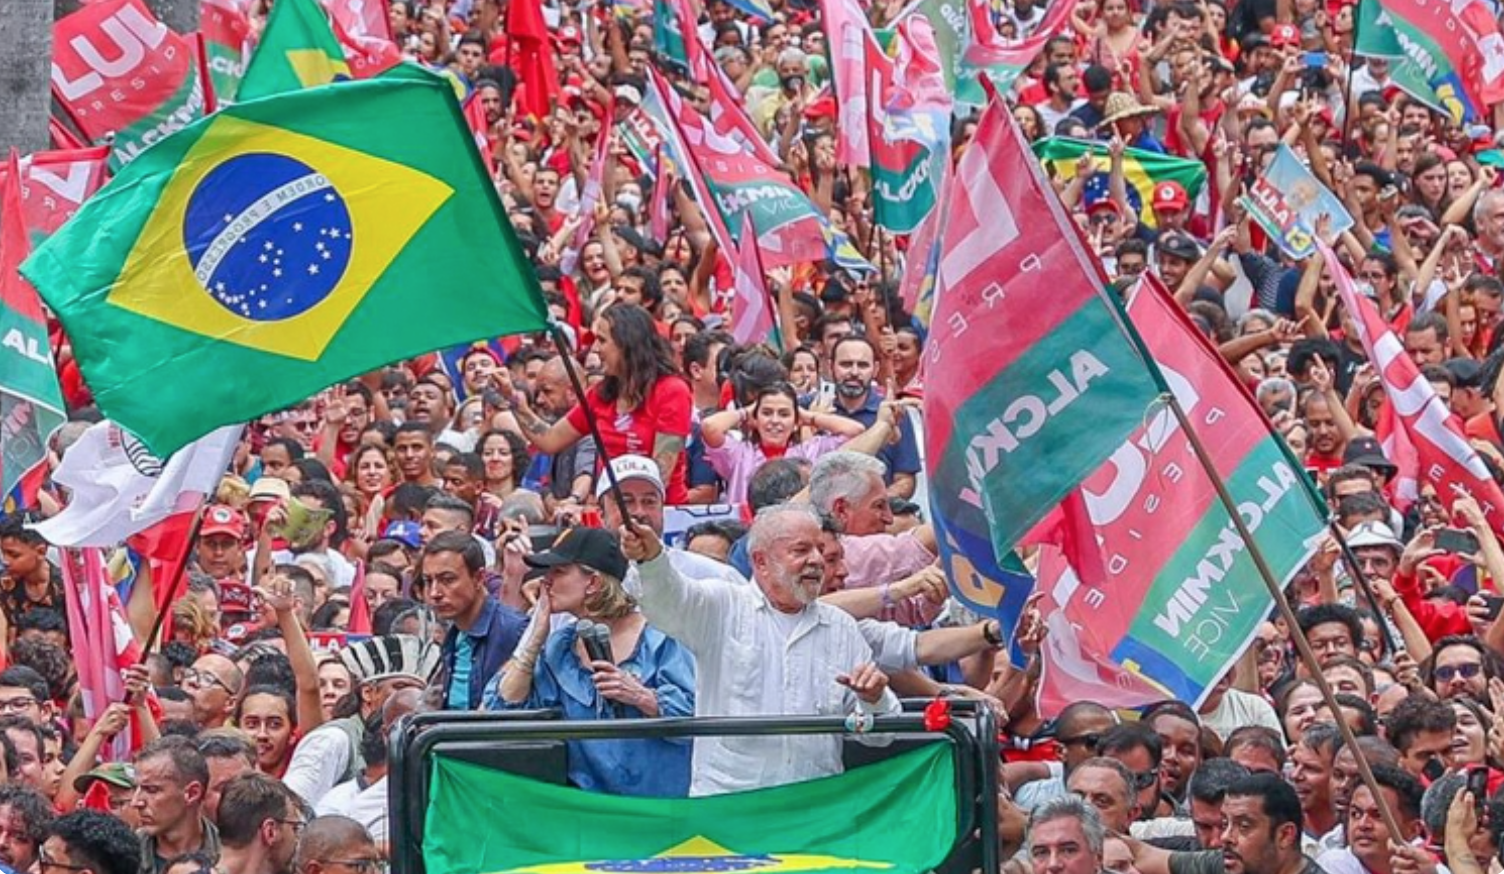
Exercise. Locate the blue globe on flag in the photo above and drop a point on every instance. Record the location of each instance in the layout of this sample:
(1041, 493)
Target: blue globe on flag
(269, 237)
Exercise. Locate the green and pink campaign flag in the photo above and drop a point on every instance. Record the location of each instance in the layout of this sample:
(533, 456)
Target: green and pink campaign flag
(1031, 378)
(729, 181)
(894, 113)
(1136, 616)
(226, 28)
(31, 403)
(727, 109)
(1451, 55)
(969, 45)
(1431, 446)
(123, 77)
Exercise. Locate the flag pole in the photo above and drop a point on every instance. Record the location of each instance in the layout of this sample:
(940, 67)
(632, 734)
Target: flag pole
(179, 573)
(562, 343)
(1276, 591)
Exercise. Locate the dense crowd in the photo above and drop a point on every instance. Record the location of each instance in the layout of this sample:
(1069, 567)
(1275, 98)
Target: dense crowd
(441, 535)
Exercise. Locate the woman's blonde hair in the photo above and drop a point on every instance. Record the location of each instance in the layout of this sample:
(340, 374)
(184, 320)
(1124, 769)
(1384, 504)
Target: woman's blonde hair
(611, 600)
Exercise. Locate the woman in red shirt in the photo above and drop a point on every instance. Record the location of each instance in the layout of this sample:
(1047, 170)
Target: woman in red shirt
(643, 406)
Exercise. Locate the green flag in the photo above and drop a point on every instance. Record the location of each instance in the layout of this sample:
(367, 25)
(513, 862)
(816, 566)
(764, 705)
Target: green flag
(897, 816)
(297, 50)
(279, 246)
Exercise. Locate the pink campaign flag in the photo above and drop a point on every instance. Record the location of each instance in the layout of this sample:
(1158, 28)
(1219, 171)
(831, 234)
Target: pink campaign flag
(1443, 456)
(1134, 616)
(751, 312)
(102, 640)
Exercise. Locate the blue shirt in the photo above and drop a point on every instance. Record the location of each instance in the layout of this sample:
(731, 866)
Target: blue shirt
(492, 639)
(644, 767)
(900, 457)
(458, 695)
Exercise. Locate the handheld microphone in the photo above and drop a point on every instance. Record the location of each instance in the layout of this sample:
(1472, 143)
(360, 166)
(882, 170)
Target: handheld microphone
(597, 640)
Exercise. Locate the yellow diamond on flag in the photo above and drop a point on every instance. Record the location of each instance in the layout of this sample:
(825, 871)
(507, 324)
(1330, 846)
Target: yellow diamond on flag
(315, 67)
(702, 856)
(270, 239)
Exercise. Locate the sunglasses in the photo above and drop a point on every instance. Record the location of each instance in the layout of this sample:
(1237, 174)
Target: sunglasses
(1090, 740)
(1448, 673)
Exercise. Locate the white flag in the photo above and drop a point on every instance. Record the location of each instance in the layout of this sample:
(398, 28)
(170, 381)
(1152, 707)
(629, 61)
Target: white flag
(118, 487)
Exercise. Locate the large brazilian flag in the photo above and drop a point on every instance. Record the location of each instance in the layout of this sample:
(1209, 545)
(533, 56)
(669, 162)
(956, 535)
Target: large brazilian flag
(279, 246)
(897, 816)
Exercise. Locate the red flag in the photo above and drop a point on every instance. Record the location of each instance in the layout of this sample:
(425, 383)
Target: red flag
(120, 72)
(1444, 458)
(165, 547)
(530, 57)
(360, 611)
(989, 49)
(364, 30)
(55, 184)
(727, 110)
(101, 638)
(475, 116)
(662, 201)
(752, 319)
(849, 33)
(62, 138)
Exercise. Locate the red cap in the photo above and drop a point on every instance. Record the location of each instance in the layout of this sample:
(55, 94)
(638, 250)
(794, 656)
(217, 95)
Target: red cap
(1102, 204)
(1170, 195)
(824, 107)
(1284, 35)
(234, 597)
(223, 519)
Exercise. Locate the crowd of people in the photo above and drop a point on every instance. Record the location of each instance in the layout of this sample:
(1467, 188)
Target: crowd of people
(441, 534)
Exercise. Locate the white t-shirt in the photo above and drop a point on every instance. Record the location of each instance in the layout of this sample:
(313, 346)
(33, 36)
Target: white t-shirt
(1239, 709)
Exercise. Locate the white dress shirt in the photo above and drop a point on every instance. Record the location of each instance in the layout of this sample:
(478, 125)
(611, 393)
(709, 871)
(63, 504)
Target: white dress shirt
(746, 665)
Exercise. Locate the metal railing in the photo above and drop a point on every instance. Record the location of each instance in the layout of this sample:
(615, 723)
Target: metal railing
(533, 742)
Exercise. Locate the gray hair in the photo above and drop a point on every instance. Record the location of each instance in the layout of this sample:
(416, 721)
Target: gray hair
(1258, 313)
(1274, 384)
(1071, 807)
(1483, 204)
(1438, 798)
(842, 474)
(528, 505)
(792, 55)
(1117, 767)
(771, 522)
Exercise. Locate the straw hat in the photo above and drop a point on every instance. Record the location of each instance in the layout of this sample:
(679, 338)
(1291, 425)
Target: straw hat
(1121, 105)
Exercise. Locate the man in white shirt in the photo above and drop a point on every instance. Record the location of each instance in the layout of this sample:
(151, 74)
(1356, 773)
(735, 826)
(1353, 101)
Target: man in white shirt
(364, 799)
(642, 490)
(382, 666)
(772, 648)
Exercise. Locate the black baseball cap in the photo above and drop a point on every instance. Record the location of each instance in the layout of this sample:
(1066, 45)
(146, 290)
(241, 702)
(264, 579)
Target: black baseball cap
(1467, 372)
(595, 548)
(1367, 452)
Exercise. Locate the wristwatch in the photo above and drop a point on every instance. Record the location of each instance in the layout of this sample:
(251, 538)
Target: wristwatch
(993, 637)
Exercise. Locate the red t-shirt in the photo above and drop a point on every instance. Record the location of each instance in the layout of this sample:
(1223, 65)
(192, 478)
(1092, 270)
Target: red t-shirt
(668, 410)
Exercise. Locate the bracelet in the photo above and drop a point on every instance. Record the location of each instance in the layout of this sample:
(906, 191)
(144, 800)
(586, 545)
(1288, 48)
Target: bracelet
(886, 596)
